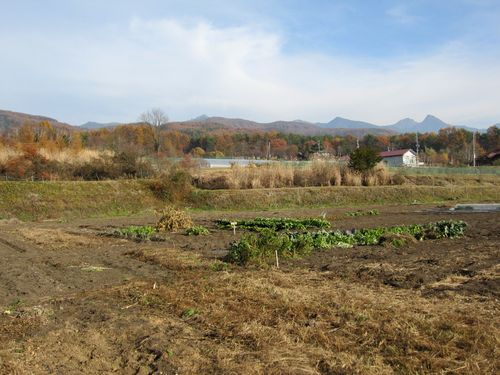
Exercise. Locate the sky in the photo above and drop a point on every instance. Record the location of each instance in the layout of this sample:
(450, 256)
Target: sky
(264, 60)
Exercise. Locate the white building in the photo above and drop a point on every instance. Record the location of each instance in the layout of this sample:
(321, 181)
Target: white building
(399, 158)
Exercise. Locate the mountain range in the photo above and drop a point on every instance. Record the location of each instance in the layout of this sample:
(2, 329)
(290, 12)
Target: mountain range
(338, 126)
(406, 125)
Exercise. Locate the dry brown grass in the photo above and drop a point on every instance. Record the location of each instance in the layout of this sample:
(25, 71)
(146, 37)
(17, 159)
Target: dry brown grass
(278, 175)
(72, 156)
(351, 178)
(323, 173)
(253, 177)
(7, 153)
(382, 174)
(66, 156)
(303, 322)
(56, 239)
(169, 258)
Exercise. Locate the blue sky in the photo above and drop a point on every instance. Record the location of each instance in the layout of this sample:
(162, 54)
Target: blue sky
(377, 61)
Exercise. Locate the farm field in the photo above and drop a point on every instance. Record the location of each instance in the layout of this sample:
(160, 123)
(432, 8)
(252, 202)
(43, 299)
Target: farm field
(74, 301)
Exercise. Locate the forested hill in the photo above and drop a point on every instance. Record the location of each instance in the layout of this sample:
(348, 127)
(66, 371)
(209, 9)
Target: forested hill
(10, 120)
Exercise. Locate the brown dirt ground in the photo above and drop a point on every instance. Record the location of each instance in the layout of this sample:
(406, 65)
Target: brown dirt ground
(72, 301)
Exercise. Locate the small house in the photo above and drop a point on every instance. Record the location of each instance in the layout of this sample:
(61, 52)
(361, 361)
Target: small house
(399, 158)
(491, 158)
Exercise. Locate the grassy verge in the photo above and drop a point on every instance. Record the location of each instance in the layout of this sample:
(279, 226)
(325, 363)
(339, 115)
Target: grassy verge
(261, 199)
(74, 199)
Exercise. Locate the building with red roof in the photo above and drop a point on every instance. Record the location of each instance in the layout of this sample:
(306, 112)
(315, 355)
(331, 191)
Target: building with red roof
(399, 158)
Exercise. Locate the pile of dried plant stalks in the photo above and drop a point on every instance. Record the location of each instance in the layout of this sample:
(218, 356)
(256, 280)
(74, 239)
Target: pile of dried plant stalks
(172, 219)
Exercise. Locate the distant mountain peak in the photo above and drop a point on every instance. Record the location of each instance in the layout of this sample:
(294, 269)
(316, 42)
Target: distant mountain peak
(406, 121)
(339, 119)
(201, 118)
(343, 123)
(431, 117)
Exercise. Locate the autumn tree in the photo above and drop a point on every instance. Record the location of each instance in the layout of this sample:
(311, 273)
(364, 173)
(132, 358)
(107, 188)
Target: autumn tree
(155, 118)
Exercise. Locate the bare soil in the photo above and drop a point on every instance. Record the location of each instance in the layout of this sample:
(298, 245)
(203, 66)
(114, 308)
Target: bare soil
(74, 301)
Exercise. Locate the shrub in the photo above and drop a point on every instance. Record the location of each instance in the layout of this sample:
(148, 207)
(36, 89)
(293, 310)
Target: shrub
(364, 159)
(31, 164)
(129, 164)
(172, 219)
(124, 164)
(174, 186)
(97, 169)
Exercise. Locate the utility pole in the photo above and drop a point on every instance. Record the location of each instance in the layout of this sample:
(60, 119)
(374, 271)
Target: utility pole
(417, 145)
(474, 149)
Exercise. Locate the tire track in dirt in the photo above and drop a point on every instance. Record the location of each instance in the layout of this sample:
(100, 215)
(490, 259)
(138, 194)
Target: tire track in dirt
(23, 277)
(11, 245)
(30, 272)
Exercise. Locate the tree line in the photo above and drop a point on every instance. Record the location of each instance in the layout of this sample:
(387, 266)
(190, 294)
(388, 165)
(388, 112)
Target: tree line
(449, 146)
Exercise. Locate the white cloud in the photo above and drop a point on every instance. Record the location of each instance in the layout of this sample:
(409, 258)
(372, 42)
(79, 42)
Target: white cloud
(189, 69)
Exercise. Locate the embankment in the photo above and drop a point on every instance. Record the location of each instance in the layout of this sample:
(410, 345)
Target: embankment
(73, 199)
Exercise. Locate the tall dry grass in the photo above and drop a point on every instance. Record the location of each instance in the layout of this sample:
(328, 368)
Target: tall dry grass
(254, 177)
(278, 175)
(66, 156)
(74, 156)
(7, 153)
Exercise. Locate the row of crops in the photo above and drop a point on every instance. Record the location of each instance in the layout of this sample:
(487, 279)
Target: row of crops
(276, 224)
(269, 243)
(297, 237)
